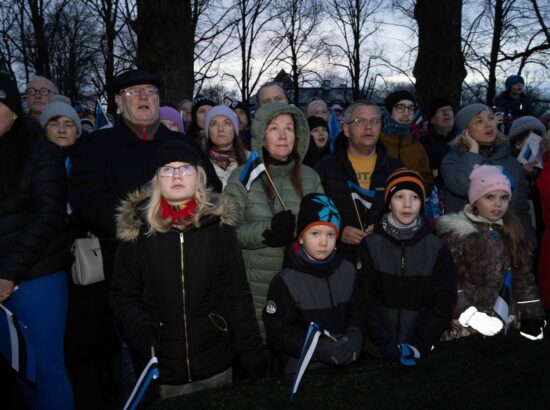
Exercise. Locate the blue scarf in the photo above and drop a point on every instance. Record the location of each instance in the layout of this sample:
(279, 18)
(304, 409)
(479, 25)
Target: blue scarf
(391, 127)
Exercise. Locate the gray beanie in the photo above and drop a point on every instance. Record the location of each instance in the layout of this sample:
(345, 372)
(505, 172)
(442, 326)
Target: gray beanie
(527, 123)
(58, 108)
(466, 113)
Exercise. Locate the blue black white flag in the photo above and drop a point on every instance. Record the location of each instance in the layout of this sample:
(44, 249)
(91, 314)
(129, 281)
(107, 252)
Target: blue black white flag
(101, 119)
(150, 372)
(252, 170)
(308, 348)
(365, 196)
(502, 304)
(19, 350)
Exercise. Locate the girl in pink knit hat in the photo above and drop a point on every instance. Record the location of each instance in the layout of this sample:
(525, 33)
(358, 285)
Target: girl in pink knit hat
(493, 256)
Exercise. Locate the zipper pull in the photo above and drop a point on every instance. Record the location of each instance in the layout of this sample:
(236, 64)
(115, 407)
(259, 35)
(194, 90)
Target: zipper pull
(181, 237)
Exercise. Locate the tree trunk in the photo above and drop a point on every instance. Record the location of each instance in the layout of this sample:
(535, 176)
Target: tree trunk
(439, 68)
(495, 49)
(165, 44)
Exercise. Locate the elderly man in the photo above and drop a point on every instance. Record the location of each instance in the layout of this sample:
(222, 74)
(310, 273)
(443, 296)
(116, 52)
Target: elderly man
(397, 135)
(317, 108)
(358, 166)
(270, 92)
(40, 91)
(112, 162)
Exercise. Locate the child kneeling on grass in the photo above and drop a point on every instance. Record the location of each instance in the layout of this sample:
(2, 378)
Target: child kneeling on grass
(410, 275)
(316, 285)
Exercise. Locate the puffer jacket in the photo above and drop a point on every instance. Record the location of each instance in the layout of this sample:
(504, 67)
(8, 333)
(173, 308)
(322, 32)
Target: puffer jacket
(32, 214)
(457, 165)
(327, 293)
(255, 210)
(410, 289)
(482, 260)
(411, 153)
(190, 285)
(335, 171)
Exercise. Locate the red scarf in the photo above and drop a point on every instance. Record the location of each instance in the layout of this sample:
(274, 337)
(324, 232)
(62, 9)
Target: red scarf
(177, 213)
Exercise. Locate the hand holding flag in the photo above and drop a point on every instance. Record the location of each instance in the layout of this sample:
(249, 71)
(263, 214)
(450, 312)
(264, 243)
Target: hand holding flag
(149, 373)
(252, 170)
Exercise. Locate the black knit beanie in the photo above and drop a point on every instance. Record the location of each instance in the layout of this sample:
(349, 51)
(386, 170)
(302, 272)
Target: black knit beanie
(9, 94)
(315, 122)
(397, 96)
(175, 151)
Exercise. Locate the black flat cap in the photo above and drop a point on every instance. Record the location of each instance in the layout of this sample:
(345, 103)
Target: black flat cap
(133, 77)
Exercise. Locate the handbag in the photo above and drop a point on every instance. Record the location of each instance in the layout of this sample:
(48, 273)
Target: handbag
(88, 263)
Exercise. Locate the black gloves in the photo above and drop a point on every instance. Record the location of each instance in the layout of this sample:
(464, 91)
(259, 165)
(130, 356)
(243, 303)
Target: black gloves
(533, 329)
(283, 225)
(149, 336)
(345, 350)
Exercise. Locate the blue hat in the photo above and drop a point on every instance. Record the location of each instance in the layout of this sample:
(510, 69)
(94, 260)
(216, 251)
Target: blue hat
(317, 209)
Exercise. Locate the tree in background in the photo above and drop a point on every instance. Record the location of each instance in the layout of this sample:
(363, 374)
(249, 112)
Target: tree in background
(439, 69)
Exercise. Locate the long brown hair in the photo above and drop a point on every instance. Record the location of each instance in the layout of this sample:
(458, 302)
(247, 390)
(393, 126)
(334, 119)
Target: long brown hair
(295, 175)
(238, 147)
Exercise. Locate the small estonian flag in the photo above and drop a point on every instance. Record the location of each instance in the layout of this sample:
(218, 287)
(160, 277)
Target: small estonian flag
(101, 119)
(19, 351)
(502, 304)
(252, 170)
(308, 348)
(361, 194)
(150, 372)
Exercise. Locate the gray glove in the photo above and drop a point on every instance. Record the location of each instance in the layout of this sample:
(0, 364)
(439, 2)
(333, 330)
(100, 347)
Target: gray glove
(333, 352)
(483, 323)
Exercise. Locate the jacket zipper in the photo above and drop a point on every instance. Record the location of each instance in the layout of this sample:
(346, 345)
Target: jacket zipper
(331, 304)
(401, 284)
(184, 311)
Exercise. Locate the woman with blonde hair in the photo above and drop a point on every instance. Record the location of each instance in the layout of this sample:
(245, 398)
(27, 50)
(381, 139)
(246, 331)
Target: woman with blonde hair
(179, 282)
(480, 143)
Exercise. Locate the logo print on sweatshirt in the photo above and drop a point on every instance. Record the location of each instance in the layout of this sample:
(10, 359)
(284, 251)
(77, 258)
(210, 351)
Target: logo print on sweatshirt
(271, 307)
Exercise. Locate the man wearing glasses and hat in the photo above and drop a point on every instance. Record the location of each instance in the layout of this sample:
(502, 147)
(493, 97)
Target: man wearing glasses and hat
(110, 163)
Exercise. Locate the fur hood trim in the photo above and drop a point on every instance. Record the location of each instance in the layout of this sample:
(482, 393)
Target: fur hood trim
(131, 218)
(455, 224)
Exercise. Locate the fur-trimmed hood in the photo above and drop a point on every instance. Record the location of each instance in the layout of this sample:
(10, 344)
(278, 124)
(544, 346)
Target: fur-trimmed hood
(455, 224)
(131, 220)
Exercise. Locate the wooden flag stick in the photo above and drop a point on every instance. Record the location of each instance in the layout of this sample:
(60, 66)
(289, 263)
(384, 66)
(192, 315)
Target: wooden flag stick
(357, 213)
(275, 189)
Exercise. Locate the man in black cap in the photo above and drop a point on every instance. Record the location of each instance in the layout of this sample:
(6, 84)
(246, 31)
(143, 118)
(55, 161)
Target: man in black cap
(110, 163)
(441, 132)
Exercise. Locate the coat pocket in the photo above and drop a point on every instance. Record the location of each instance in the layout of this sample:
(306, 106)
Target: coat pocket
(218, 321)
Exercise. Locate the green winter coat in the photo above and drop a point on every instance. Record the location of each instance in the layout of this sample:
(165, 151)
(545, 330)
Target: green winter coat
(254, 212)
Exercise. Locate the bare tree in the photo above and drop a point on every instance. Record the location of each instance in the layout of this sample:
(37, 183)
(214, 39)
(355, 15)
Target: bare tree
(297, 32)
(354, 21)
(253, 16)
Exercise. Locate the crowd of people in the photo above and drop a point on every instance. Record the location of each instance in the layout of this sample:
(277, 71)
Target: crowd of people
(224, 234)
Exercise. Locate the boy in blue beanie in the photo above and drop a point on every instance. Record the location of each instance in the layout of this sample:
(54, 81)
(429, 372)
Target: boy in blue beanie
(513, 102)
(317, 285)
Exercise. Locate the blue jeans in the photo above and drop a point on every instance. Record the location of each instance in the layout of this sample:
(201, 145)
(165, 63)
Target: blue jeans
(41, 304)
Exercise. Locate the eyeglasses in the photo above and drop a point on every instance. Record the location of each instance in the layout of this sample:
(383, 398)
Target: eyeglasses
(137, 91)
(42, 91)
(444, 111)
(186, 170)
(361, 122)
(400, 108)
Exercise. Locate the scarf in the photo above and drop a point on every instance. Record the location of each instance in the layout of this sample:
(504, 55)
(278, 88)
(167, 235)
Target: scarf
(222, 159)
(391, 127)
(177, 213)
(398, 231)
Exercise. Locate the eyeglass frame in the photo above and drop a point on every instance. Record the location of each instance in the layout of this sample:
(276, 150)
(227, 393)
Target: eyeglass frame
(136, 91)
(31, 92)
(358, 121)
(183, 173)
(400, 108)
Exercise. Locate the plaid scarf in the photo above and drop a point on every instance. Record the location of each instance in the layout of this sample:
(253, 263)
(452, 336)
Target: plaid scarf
(223, 159)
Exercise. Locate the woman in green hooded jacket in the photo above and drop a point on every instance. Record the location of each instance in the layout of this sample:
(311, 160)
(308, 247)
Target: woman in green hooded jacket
(280, 136)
